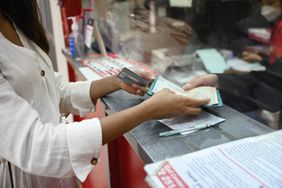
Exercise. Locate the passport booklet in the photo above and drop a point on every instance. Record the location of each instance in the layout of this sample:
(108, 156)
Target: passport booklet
(203, 92)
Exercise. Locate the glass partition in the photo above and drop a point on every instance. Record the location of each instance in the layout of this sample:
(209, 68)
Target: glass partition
(239, 40)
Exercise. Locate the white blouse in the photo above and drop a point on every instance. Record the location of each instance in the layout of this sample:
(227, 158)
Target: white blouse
(42, 151)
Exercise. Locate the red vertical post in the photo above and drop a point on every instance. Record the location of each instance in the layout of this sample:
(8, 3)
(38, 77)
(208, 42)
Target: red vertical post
(126, 167)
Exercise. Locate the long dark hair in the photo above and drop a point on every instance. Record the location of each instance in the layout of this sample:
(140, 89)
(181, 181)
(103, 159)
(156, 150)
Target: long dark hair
(25, 14)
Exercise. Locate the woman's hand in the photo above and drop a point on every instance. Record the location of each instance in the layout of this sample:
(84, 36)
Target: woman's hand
(134, 88)
(166, 104)
(206, 80)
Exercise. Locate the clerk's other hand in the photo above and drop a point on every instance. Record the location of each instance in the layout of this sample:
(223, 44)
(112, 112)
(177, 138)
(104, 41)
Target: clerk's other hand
(166, 104)
(205, 80)
(251, 56)
(137, 89)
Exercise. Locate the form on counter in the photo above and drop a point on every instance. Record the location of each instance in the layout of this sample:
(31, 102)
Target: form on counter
(188, 121)
(248, 163)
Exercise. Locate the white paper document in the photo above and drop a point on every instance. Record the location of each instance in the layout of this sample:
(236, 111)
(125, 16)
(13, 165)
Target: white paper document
(248, 163)
(213, 61)
(163, 83)
(180, 3)
(89, 74)
(243, 66)
(184, 122)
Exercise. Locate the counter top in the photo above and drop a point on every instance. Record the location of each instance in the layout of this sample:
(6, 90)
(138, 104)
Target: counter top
(151, 148)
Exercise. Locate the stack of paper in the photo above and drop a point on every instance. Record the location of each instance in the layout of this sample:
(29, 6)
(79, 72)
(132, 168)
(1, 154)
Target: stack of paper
(204, 92)
(248, 163)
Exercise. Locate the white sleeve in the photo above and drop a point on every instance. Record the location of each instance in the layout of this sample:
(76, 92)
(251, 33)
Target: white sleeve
(45, 149)
(75, 96)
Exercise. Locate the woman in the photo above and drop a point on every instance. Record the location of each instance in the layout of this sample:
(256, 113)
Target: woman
(274, 51)
(36, 150)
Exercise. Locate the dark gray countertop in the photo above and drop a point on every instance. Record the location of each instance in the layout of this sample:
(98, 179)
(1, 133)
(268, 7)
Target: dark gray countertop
(145, 140)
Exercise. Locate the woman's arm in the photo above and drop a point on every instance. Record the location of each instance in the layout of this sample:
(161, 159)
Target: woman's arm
(104, 87)
(161, 105)
(34, 145)
(154, 108)
(111, 84)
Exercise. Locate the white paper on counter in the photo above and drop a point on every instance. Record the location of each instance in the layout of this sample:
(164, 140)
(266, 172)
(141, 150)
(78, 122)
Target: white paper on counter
(189, 121)
(248, 163)
(89, 74)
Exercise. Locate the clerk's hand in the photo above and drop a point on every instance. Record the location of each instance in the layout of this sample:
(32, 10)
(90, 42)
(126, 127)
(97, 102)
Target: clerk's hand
(166, 104)
(251, 57)
(134, 88)
(205, 80)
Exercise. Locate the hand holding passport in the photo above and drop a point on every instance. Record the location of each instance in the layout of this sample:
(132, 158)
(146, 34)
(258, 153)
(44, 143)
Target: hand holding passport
(204, 92)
